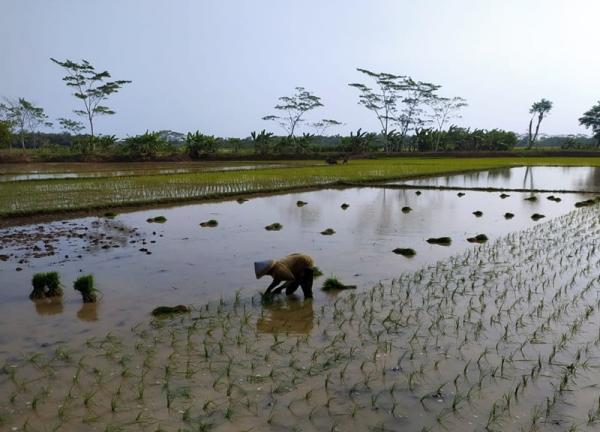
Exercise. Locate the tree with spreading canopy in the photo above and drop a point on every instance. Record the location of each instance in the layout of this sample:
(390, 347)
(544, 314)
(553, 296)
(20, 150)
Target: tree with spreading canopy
(442, 111)
(71, 127)
(294, 107)
(91, 87)
(23, 116)
(322, 125)
(591, 119)
(382, 101)
(539, 109)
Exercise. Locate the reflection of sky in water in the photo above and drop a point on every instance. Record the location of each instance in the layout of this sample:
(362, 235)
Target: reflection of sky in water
(193, 265)
(544, 178)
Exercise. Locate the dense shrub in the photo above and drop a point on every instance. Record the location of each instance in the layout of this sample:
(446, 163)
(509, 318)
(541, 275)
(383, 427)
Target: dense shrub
(199, 146)
(145, 146)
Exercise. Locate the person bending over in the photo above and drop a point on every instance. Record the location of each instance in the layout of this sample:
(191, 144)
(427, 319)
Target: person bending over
(295, 270)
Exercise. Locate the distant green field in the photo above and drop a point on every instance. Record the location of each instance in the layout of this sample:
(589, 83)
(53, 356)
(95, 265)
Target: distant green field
(20, 198)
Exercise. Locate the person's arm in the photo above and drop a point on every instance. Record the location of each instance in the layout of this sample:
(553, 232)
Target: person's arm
(272, 286)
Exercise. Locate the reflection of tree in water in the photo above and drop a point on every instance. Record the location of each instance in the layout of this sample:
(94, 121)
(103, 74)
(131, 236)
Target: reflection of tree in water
(500, 174)
(287, 315)
(528, 174)
(591, 181)
(49, 306)
(88, 312)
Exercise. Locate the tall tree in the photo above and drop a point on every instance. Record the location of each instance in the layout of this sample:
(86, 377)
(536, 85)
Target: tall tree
(24, 117)
(294, 107)
(322, 125)
(442, 111)
(5, 134)
(412, 113)
(591, 119)
(72, 127)
(382, 101)
(91, 87)
(539, 109)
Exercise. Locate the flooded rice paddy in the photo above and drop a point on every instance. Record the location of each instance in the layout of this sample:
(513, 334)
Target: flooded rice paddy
(498, 336)
(47, 171)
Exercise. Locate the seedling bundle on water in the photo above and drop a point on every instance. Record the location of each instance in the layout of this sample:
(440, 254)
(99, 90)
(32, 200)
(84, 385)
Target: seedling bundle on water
(85, 286)
(333, 284)
(157, 219)
(211, 223)
(45, 285)
(274, 227)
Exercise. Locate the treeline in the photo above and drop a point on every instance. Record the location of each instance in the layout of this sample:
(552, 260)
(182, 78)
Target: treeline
(412, 116)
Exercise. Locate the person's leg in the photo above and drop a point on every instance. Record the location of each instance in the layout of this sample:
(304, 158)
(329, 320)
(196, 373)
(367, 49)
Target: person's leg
(292, 287)
(285, 286)
(306, 282)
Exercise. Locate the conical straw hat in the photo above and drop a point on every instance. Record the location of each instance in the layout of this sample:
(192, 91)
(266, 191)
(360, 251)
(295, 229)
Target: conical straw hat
(262, 267)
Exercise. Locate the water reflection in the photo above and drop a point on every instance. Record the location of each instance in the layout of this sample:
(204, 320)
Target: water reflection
(49, 306)
(287, 315)
(88, 312)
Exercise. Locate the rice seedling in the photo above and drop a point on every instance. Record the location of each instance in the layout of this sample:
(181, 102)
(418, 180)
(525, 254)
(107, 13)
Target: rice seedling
(162, 311)
(479, 238)
(508, 215)
(276, 226)
(85, 286)
(406, 209)
(301, 203)
(211, 223)
(537, 216)
(442, 241)
(157, 219)
(328, 231)
(332, 284)
(478, 213)
(345, 206)
(407, 252)
(46, 285)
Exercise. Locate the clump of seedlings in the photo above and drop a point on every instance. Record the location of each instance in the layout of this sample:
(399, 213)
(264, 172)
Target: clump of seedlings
(478, 213)
(301, 203)
(211, 223)
(442, 241)
(406, 209)
(479, 238)
(537, 216)
(328, 231)
(110, 215)
(460, 194)
(587, 203)
(345, 206)
(276, 226)
(162, 311)
(241, 200)
(531, 198)
(85, 286)
(157, 219)
(553, 198)
(418, 193)
(504, 196)
(333, 284)
(45, 285)
(317, 272)
(508, 215)
(407, 252)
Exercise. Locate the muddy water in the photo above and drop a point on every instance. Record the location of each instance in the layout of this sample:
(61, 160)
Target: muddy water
(541, 177)
(139, 265)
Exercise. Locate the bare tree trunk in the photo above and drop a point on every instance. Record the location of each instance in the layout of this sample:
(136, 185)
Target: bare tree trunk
(537, 128)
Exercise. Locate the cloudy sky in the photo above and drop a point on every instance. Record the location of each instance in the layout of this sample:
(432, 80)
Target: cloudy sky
(220, 65)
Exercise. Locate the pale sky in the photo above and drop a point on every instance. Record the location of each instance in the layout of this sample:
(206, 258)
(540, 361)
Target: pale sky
(220, 65)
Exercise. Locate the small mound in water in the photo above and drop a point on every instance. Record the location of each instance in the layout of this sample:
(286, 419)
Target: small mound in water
(443, 241)
(241, 200)
(508, 215)
(162, 311)
(537, 216)
(479, 238)
(407, 252)
(406, 209)
(460, 194)
(478, 213)
(333, 284)
(45, 285)
(85, 286)
(418, 193)
(587, 203)
(301, 203)
(531, 198)
(553, 198)
(503, 195)
(110, 215)
(209, 223)
(274, 227)
(157, 219)
(345, 206)
(328, 231)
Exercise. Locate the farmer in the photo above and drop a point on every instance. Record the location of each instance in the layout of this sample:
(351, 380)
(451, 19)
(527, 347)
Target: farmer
(294, 270)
